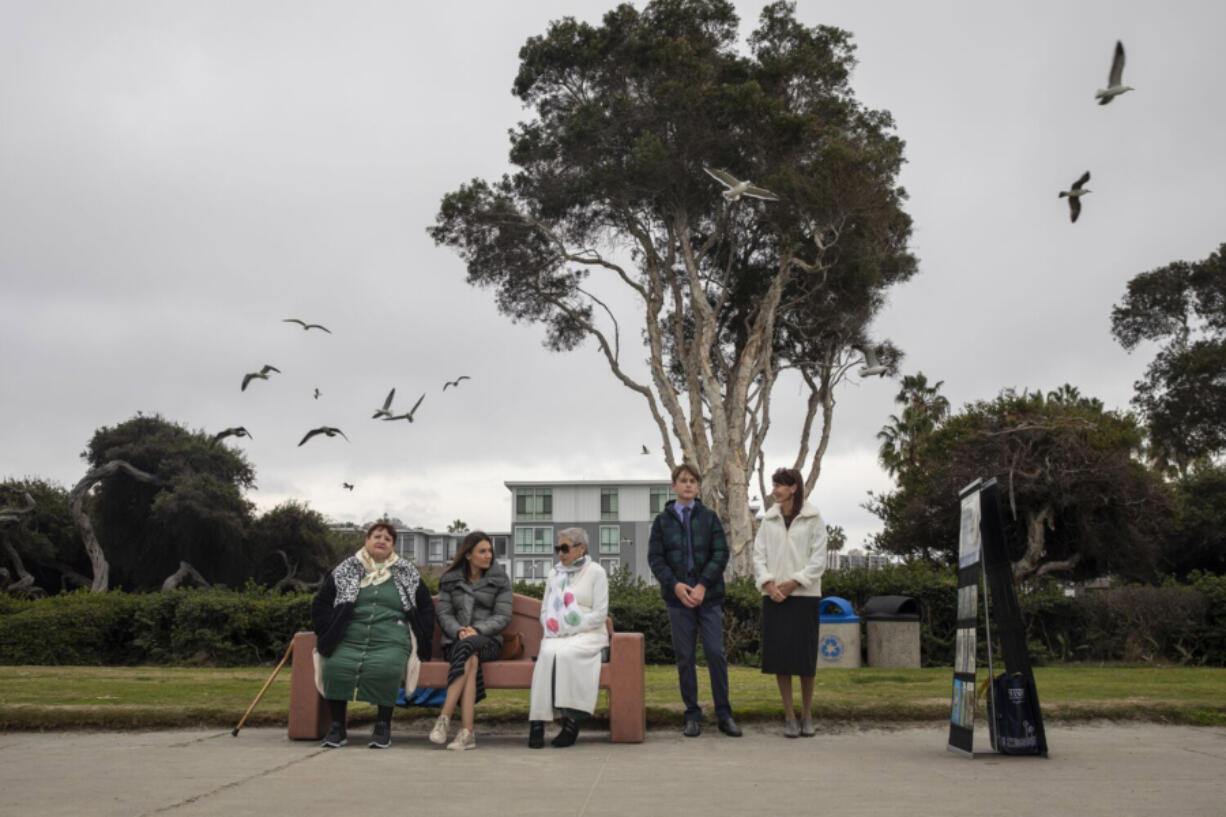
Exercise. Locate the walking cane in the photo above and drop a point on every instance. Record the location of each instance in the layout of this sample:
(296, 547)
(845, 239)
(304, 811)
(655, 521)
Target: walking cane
(267, 684)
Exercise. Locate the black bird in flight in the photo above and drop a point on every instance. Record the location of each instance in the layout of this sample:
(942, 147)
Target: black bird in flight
(237, 431)
(1074, 195)
(346, 486)
(262, 374)
(327, 430)
(305, 326)
(317, 393)
(386, 411)
(456, 382)
(408, 416)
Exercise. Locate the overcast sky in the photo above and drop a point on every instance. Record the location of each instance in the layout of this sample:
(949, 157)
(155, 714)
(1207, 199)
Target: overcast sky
(176, 178)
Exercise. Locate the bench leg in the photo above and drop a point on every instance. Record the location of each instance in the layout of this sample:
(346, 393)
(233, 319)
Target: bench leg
(308, 712)
(627, 688)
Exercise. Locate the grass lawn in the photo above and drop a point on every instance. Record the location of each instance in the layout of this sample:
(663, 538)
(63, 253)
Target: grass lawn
(44, 697)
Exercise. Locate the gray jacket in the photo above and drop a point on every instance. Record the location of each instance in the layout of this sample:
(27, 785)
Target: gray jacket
(484, 605)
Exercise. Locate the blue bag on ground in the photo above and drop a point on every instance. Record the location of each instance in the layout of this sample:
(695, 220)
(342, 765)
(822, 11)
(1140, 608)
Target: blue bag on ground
(422, 696)
(1014, 717)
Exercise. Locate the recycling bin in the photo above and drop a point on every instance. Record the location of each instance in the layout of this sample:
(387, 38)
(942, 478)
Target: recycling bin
(893, 631)
(838, 634)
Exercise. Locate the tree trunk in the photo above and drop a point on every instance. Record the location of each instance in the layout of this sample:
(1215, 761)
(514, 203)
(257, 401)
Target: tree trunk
(184, 572)
(76, 499)
(1037, 525)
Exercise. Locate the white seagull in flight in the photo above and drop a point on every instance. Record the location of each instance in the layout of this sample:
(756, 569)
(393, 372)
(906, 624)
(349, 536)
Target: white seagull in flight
(738, 188)
(1074, 195)
(1115, 81)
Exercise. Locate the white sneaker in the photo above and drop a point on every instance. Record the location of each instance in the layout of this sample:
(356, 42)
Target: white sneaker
(439, 733)
(465, 740)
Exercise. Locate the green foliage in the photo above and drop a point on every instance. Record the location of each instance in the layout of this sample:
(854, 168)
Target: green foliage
(1074, 493)
(1183, 392)
(1171, 623)
(46, 539)
(291, 538)
(196, 513)
(1198, 539)
(187, 626)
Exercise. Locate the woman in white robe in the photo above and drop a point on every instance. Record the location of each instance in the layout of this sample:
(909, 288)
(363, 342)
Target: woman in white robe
(566, 678)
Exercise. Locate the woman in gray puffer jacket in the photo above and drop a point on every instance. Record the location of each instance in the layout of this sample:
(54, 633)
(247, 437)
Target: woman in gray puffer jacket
(474, 607)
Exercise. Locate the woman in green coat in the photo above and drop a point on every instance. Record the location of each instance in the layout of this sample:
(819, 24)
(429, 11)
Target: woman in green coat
(373, 620)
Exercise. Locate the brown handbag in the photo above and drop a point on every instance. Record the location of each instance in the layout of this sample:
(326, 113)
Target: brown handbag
(512, 646)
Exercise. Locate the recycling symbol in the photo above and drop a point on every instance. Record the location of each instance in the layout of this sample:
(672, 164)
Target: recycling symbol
(831, 647)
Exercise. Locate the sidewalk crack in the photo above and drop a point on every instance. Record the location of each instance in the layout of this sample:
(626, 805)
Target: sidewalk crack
(232, 784)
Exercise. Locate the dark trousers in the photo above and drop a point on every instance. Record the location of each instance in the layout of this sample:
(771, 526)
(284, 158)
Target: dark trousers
(707, 621)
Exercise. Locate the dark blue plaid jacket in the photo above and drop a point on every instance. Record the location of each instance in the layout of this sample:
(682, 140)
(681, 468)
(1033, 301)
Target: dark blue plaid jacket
(666, 552)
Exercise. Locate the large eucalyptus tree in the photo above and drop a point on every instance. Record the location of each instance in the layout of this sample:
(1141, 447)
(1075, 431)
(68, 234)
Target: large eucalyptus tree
(609, 189)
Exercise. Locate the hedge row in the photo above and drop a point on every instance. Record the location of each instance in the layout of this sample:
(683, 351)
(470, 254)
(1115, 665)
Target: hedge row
(1179, 623)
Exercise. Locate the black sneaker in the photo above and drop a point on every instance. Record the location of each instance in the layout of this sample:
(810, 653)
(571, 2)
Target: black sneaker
(381, 736)
(536, 735)
(336, 737)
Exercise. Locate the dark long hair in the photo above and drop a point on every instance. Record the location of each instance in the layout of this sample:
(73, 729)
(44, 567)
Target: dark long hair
(470, 541)
(790, 476)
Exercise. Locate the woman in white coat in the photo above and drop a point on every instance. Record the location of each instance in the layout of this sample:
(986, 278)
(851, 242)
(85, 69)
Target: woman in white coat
(789, 557)
(566, 678)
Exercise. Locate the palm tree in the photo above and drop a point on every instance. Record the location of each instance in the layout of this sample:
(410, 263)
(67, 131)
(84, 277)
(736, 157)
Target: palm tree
(923, 410)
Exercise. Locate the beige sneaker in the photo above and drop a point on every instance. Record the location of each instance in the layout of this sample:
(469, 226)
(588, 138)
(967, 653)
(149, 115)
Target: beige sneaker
(439, 733)
(465, 740)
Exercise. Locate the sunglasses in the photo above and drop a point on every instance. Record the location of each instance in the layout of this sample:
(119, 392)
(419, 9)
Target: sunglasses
(563, 548)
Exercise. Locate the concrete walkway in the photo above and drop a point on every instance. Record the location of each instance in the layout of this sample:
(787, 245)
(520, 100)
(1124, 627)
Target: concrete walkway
(1094, 769)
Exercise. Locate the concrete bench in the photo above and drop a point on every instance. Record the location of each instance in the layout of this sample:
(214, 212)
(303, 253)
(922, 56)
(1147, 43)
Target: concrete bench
(622, 675)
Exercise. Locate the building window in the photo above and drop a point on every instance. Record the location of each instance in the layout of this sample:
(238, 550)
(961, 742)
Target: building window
(657, 498)
(500, 547)
(534, 540)
(533, 504)
(611, 566)
(608, 504)
(610, 540)
(531, 569)
(436, 550)
(453, 545)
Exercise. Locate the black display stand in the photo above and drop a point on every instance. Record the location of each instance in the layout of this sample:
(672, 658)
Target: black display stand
(983, 564)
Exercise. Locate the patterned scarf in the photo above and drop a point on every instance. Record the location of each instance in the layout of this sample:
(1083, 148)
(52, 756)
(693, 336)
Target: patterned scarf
(375, 572)
(563, 615)
(356, 572)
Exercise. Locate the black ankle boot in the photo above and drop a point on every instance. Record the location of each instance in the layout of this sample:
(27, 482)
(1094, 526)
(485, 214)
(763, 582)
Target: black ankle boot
(536, 735)
(570, 731)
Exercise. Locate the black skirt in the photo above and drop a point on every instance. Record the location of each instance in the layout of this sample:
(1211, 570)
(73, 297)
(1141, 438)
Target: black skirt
(789, 635)
(458, 653)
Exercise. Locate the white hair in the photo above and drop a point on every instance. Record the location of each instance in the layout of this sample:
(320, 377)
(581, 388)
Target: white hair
(576, 536)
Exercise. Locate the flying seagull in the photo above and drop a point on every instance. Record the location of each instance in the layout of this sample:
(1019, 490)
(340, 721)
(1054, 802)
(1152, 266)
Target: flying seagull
(872, 365)
(317, 393)
(738, 188)
(645, 451)
(262, 374)
(346, 486)
(237, 431)
(408, 416)
(305, 326)
(1115, 81)
(386, 411)
(456, 382)
(327, 430)
(1074, 195)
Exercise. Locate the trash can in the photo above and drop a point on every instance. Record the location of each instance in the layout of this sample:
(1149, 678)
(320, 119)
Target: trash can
(892, 624)
(838, 634)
